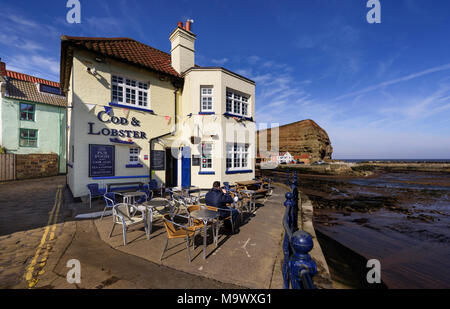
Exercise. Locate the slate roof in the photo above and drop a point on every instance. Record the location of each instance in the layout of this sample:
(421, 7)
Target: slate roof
(26, 87)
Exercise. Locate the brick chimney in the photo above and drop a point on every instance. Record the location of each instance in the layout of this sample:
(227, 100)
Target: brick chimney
(183, 47)
(2, 68)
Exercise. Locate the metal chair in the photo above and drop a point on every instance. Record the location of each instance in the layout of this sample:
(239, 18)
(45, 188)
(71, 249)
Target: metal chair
(126, 215)
(179, 201)
(110, 200)
(225, 214)
(226, 185)
(178, 231)
(148, 193)
(94, 191)
(153, 186)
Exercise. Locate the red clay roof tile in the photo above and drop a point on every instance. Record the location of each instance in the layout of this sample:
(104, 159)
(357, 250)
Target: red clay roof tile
(29, 78)
(126, 49)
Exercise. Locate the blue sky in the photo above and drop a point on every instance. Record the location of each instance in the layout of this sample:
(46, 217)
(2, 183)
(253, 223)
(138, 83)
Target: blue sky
(380, 90)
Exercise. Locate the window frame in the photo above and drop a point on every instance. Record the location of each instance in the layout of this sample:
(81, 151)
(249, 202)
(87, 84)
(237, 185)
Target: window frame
(28, 139)
(34, 111)
(57, 91)
(141, 94)
(237, 100)
(134, 155)
(211, 168)
(239, 151)
(211, 95)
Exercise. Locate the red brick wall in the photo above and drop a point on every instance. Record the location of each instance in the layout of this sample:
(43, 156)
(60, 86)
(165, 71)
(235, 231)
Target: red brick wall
(36, 166)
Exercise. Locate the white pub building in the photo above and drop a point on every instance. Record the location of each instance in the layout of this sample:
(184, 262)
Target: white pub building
(136, 113)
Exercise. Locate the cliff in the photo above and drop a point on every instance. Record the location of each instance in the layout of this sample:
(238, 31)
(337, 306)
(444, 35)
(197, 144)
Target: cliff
(302, 138)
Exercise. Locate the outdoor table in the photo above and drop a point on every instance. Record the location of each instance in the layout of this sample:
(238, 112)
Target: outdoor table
(159, 202)
(249, 183)
(127, 197)
(206, 216)
(149, 207)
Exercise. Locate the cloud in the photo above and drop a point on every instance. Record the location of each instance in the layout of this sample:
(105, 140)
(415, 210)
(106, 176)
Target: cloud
(108, 25)
(220, 62)
(253, 59)
(35, 65)
(395, 81)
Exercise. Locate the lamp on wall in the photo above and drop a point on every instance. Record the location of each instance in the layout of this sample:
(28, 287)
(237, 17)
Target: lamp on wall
(195, 140)
(92, 71)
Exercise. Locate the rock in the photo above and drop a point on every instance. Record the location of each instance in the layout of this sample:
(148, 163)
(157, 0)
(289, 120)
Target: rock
(302, 138)
(361, 220)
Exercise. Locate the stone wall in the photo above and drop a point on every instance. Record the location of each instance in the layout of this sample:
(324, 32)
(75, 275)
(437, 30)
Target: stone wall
(36, 166)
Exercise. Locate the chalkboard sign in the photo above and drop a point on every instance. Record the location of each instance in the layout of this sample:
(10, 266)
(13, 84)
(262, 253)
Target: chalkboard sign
(195, 160)
(158, 160)
(101, 160)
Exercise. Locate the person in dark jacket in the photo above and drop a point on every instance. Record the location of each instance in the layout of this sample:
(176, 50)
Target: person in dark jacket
(219, 198)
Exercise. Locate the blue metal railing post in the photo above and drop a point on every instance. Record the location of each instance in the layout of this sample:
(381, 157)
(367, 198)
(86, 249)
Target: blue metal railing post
(287, 250)
(298, 266)
(301, 266)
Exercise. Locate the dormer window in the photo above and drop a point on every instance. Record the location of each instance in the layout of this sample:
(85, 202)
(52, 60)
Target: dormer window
(50, 89)
(206, 99)
(129, 92)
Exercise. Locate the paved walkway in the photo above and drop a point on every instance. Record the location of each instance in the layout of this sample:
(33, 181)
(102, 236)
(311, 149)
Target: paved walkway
(248, 259)
(38, 237)
(26, 208)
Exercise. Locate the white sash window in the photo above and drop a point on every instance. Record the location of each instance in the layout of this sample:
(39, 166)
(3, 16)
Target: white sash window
(206, 97)
(237, 104)
(237, 157)
(129, 92)
(134, 155)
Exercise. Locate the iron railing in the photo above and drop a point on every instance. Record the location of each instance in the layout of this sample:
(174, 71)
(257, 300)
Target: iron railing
(298, 266)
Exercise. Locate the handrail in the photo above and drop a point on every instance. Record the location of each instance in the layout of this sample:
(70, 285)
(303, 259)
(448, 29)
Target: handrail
(298, 266)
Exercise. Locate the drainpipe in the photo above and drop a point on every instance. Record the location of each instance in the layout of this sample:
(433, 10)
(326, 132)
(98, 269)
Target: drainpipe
(177, 87)
(1, 124)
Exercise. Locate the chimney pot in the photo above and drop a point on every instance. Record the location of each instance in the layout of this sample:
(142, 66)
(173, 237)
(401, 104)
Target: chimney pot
(180, 24)
(188, 25)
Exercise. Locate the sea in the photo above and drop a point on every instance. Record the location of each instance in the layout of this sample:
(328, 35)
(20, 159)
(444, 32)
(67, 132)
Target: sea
(397, 160)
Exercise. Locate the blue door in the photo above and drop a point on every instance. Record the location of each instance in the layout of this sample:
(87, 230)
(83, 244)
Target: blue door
(186, 167)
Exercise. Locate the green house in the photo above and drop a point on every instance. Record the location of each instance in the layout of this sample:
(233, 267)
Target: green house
(32, 116)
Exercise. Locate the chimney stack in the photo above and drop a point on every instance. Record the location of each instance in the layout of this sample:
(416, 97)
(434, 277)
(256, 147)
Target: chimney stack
(2, 68)
(183, 47)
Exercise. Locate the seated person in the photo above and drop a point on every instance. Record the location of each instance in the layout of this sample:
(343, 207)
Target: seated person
(218, 198)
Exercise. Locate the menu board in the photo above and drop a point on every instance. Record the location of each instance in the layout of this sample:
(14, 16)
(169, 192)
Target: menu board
(101, 160)
(158, 160)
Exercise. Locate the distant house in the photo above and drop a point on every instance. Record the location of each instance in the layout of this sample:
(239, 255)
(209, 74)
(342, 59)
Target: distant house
(282, 157)
(305, 158)
(32, 115)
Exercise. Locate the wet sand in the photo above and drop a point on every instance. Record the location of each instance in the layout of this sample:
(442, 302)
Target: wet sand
(401, 219)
